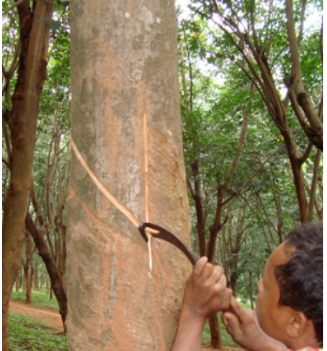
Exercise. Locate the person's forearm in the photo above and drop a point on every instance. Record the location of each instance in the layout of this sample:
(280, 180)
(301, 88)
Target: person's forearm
(262, 342)
(273, 345)
(189, 332)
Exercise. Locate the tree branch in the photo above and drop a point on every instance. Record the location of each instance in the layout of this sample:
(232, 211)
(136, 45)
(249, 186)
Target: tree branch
(296, 74)
(306, 154)
(321, 47)
(313, 136)
(259, 221)
(190, 187)
(13, 6)
(304, 2)
(253, 175)
(240, 144)
(185, 98)
(255, 37)
(7, 141)
(314, 184)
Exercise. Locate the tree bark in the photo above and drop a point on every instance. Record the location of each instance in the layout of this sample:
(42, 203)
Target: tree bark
(36, 280)
(296, 78)
(126, 124)
(314, 185)
(200, 217)
(216, 341)
(51, 267)
(27, 266)
(22, 119)
(27, 283)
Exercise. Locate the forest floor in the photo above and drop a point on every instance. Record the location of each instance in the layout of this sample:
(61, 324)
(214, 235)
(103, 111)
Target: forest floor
(47, 316)
(53, 318)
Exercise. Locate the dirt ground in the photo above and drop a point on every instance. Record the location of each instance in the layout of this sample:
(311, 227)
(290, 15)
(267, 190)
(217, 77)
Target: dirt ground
(46, 316)
(54, 319)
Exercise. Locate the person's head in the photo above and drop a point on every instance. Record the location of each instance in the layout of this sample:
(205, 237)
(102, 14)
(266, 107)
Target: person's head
(290, 301)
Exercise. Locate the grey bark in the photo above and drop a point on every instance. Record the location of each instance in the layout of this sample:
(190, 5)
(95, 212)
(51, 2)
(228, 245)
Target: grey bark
(125, 86)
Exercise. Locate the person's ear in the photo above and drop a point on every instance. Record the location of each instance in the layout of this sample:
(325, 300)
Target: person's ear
(297, 324)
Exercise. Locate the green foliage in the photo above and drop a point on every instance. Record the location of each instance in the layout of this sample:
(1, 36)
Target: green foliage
(29, 334)
(219, 93)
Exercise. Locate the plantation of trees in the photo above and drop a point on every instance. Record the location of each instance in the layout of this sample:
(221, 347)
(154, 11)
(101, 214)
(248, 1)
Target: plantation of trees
(206, 120)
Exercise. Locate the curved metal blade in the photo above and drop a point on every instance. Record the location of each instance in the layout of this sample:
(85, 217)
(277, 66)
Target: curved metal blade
(166, 235)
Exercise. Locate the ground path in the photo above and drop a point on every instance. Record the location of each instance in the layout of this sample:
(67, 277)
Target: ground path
(47, 316)
(53, 318)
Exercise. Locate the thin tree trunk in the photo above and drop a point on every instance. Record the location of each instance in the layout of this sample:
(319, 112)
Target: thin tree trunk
(200, 217)
(27, 283)
(216, 340)
(36, 280)
(250, 289)
(51, 267)
(296, 78)
(17, 282)
(22, 119)
(300, 188)
(314, 185)
(28, 268)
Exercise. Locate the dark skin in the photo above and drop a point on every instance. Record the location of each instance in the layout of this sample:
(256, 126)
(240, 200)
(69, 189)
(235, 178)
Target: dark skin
(270, 328)
(205, 293)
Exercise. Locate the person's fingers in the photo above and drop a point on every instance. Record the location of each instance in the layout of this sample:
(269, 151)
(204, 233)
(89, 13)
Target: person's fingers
(223, 297)
(244, 314)
(217, 272)
(220, 295)
(199, 266)
(225, 322)
(222, 281)
(231, 322)
(238, 309)
(226, 299)
(211, 275)
(207, 274)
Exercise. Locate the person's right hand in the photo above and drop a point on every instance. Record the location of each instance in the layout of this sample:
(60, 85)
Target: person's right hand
(243, 325)
(206, 290)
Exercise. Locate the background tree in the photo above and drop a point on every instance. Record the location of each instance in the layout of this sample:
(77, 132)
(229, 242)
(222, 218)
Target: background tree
(15, 78)
(260, 182)
(21, 119)
(253, 35)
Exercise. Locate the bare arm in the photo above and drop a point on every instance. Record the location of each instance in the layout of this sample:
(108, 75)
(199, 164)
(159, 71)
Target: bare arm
(205, 293)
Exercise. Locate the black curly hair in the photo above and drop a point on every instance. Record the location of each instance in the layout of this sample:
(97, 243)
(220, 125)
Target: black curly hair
(300, 280)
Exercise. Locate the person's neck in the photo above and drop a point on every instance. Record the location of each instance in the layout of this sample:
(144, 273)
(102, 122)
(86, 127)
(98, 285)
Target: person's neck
(303, 341)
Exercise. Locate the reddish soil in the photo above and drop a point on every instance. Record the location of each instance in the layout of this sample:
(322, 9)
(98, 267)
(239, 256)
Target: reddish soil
(47, 316)
(53, 318)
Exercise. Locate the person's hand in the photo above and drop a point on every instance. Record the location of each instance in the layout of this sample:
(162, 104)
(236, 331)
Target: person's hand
(243, 325)
(206, 291)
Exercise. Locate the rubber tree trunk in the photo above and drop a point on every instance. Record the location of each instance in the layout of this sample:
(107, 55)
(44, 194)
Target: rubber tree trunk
(125, 115)
(22, 119)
